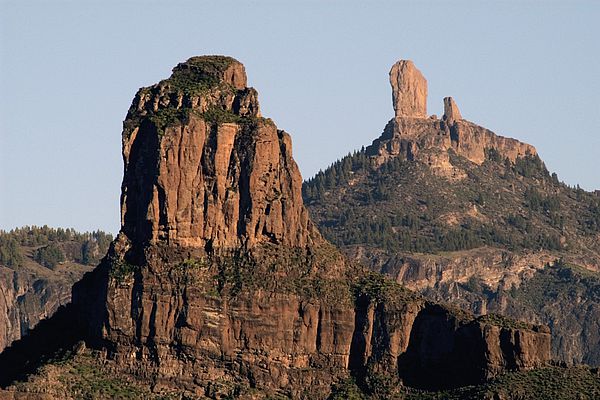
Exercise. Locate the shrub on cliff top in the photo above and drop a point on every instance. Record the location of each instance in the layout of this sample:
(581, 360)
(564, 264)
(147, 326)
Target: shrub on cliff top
(199, 73)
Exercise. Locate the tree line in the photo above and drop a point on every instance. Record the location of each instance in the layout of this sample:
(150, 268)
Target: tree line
(51, 246)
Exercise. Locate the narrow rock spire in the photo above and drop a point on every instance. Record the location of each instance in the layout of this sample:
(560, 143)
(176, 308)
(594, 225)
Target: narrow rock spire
(451, 111)
(409, 90)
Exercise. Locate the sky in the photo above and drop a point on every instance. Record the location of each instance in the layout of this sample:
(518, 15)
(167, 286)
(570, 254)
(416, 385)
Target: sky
(69, 71)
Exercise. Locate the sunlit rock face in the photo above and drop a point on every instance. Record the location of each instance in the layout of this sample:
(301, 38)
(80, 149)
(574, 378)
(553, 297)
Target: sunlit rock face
(409, 90)
(414, 135)
(203, 168)
(219, 281)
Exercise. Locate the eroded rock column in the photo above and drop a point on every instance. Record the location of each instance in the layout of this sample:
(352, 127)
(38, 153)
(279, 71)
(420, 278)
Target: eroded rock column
(409, 90)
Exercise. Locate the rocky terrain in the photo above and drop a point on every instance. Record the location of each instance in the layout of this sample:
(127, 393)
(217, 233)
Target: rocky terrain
(460, 214)
(33, 284)
(219, 285)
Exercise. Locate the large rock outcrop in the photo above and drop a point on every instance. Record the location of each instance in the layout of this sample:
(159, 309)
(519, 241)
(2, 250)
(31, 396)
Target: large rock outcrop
(218, 283)
(528, 286)
(202, 168)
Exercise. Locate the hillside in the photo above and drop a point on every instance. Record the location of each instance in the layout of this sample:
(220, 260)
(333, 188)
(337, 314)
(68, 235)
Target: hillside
(38, 266)
(450, 209)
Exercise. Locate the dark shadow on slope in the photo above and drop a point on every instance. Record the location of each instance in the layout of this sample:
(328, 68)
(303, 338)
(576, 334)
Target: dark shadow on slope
(50, 339)
(55, 337)
(443, 352)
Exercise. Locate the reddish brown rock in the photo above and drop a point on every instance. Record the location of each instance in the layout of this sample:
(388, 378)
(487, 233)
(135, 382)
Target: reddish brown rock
(224, 276)
(429, 139)
(222, 175)
(448, 348)
(409, 90)
(219, 283)
(451, 111)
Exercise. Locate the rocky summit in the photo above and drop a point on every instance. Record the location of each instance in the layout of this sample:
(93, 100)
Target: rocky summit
(202, 168)
(415, 136)
(220, 285)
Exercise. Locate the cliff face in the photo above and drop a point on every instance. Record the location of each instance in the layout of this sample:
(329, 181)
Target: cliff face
(424, 139)
(526, 286)
(460, 214)
(38, 266)
(225, 278)
(202, 168)
(297, 335)
(25, 299)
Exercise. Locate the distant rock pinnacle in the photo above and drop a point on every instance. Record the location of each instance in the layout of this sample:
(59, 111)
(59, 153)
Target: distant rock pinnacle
(414, 135)
(409, 90)
(451, 111)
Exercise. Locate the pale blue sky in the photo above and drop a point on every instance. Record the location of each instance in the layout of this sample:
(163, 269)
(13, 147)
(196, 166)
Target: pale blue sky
(69, 70)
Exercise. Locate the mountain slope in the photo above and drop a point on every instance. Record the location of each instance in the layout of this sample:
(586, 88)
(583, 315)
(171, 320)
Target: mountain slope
(452, 210)
(38, 266)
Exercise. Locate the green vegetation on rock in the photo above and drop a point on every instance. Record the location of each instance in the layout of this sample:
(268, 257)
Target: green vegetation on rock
(546, 383)
(166, 117)
(568, 297)
(10, 253)
(82, 376)
(379, 288)
(49, 256)
(492, 225)
(216, 115)
(503, 322)
(199, 74)
(120, 270)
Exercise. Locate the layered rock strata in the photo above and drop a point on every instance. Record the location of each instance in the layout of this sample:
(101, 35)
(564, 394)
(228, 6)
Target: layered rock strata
(493, 280)
(217, 193)
(444, 206)
(202, 168)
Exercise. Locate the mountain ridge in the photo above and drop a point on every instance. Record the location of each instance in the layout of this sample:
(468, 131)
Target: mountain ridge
(452, 210)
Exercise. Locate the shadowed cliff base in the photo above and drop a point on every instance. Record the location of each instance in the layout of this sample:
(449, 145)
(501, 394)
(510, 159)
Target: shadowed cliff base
(38, 266)
(51, 338)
